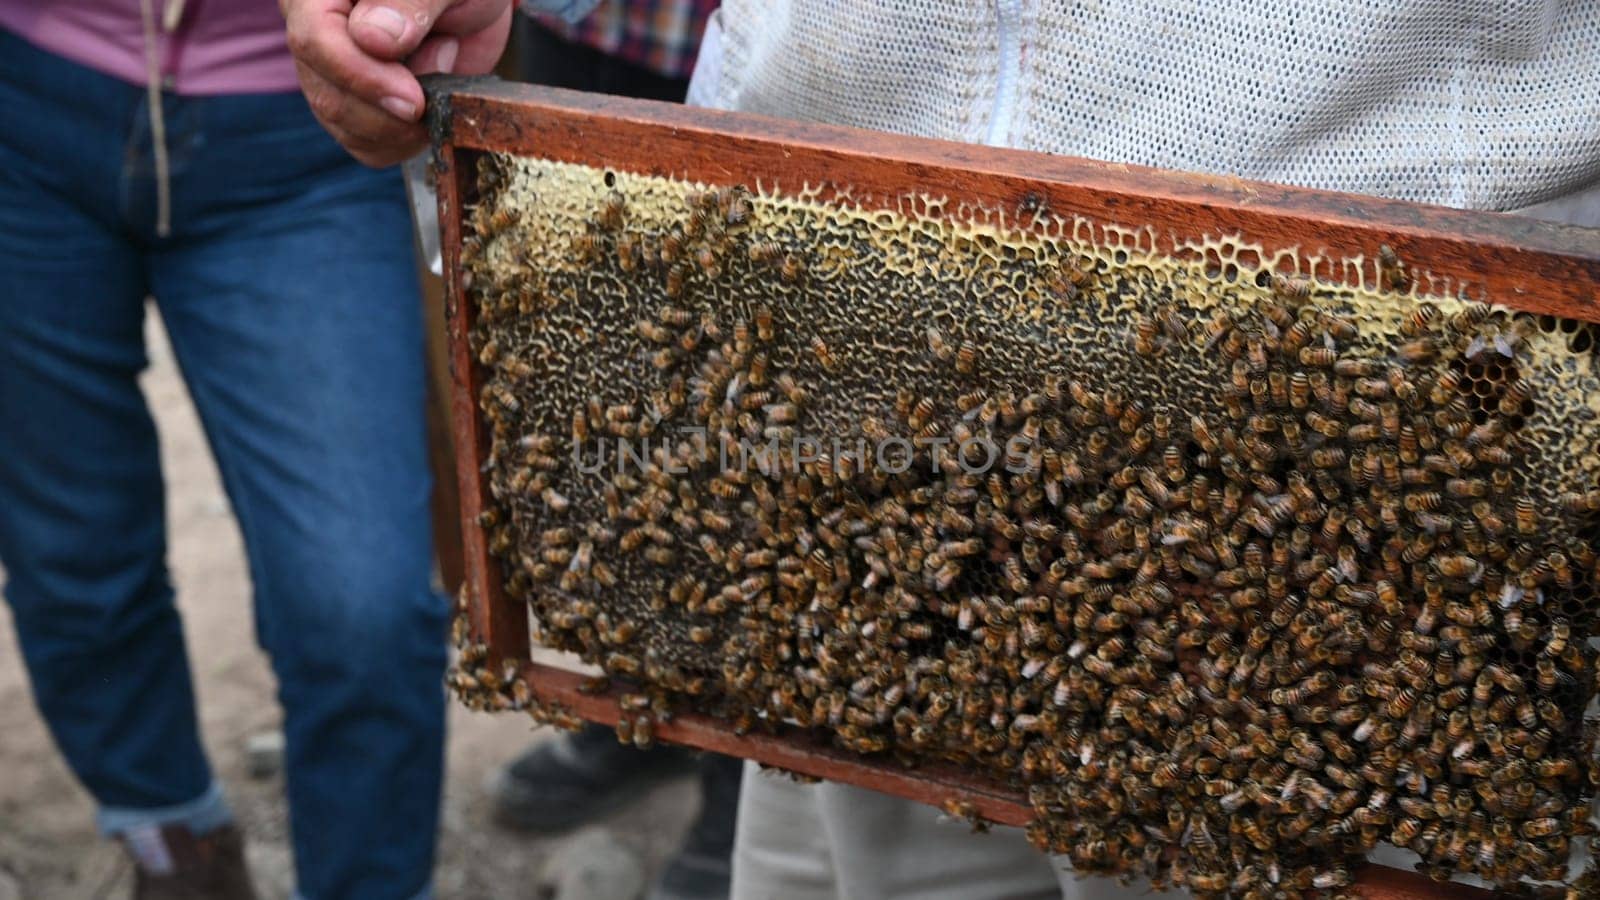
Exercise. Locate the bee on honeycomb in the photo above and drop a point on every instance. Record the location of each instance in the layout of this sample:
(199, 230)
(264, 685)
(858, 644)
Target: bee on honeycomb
(1237, 573)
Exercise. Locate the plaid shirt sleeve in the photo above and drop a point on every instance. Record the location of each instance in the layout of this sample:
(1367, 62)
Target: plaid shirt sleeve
(660, 35)
(559, 10)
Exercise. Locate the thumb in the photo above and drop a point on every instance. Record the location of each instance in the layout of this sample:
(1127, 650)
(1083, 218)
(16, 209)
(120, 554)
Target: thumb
(394, 29)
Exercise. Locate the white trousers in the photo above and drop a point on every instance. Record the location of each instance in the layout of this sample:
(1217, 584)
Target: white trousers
(836, 842)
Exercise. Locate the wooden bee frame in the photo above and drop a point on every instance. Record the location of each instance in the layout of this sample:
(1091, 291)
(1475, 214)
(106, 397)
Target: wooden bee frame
(1533, 266)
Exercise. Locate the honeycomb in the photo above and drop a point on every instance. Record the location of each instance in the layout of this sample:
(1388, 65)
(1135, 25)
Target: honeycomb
(1237, 572)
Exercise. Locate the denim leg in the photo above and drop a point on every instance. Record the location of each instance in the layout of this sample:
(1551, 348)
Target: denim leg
(82, 535)
(290, 294)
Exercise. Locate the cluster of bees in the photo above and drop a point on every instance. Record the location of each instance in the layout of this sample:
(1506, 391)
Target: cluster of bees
(481, 684)
(1238, 578)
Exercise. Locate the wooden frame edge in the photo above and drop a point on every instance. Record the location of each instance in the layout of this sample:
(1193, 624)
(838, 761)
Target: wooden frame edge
(1539, 267)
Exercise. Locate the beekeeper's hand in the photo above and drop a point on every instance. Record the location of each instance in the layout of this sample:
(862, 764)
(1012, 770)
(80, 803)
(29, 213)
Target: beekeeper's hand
(358, 63)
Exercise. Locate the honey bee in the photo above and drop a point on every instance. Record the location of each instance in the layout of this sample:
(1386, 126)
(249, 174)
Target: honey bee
(763, 317)
(1494, 455)
(675, 278)
(1256, 354)
(765, 252)
(587, 244)
(791, 267)
(1293, 289)
(670, 247)
(1063, 280)
(921, 412)
(1446, 387)
(554, 500)
(1527, 516)
(1145, 336)
(966, 359)
(738, 209)
(1517, 393)
(1364, 409)
(1208, 882)
(706, 258)
(1420, 320)
(1392, 274)
(1486, 518)
(675, 316)
(650, 331)
(643, 732)
(611, 210)
(1324, 425)
(1418, 351)
(1538, 828)
(490, 222)
(790, 390)
(1469, 318)
(1580, 503)
(698, 201)
(824, 356)
(1550, 713)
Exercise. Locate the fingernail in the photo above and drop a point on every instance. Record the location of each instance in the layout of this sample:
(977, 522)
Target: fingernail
(403, 109)
(386, 20)
(446, 60)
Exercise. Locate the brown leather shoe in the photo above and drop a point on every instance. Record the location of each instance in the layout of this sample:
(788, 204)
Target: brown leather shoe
(209, 867)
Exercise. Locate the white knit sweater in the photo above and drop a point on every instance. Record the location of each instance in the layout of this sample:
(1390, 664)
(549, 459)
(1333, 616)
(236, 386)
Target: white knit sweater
(1489, 104)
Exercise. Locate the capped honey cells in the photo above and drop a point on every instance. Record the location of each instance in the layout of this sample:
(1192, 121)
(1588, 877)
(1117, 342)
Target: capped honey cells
(1238, 572)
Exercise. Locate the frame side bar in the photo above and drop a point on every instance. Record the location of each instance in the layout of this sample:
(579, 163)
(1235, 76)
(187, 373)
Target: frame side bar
(494, 618)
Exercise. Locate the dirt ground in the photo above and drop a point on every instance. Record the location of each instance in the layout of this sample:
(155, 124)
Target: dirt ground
(48, 846)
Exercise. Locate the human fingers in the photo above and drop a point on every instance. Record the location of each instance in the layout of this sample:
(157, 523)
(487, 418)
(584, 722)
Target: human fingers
(395, 29)
(368, 132)
(319, 38)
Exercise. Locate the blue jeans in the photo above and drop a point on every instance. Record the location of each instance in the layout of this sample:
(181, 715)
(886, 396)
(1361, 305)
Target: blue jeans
(289, 292)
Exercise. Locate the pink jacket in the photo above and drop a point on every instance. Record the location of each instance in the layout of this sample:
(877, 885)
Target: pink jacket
(213, 47)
